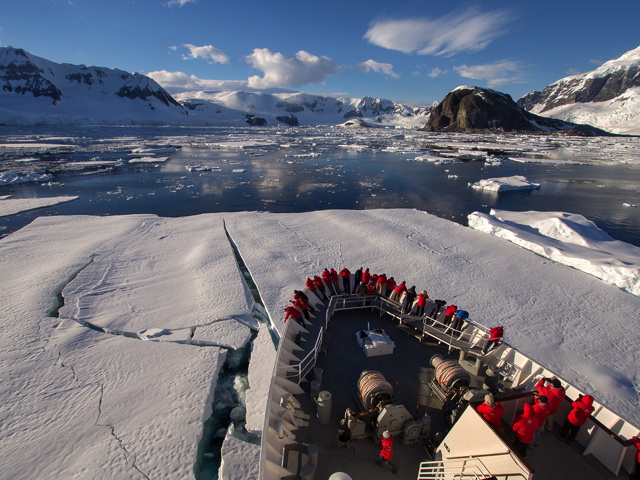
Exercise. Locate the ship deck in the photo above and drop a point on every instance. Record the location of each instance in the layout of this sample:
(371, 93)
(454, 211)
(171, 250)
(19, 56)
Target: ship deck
(342, 360)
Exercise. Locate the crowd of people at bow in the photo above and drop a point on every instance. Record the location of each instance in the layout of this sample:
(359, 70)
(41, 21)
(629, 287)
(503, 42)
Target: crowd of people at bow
(410, 302)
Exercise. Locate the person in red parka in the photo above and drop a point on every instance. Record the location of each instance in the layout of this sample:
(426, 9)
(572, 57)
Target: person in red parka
(326, 276)
(448, 313)
(301, 304)
(524, 426)
(310, 285)
(381, 285)
(495, 337)
(346, 279)
(320, 286)
(335, 280)
(552, 388)
(391, 285)
(422, 302)
(635, 441)
(582, 409)
(541, 411)
(371, 288)
(396, 295)
(386, 451)
(492, 411)
(366, 276)
(293, 312)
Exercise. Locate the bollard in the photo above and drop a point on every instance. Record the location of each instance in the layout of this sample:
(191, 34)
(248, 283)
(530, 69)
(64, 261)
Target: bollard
(478, 366)
(313, 450)
(324, 407)
(307, 472)
(315, 389)
(462, 356)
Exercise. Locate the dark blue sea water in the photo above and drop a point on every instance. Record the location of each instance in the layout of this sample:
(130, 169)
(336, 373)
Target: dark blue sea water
(338, 178)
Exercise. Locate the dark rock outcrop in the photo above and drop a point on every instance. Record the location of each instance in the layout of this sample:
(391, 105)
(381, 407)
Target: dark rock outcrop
(291, 121)
(475, 109)
(255, 121)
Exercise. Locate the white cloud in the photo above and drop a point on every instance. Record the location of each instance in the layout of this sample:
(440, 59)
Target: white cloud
(207, 52)
(459, 31)
(436, 72)
(175, 82)
(495, 74)
(281, 70)
(372, 65)
(179, 3)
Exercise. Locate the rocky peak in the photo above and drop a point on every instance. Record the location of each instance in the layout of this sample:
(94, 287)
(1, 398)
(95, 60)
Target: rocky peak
(475, 109)
(19, 75)
(24, 74)
(607, 82)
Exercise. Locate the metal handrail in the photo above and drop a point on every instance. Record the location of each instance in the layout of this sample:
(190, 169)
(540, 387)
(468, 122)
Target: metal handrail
(470, 468)
(386, 305)
(306, 364)
(461, 468)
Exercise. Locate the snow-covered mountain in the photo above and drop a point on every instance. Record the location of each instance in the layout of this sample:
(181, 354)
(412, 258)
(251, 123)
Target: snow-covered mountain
(232, 107)
(36, 90)
(608, 97)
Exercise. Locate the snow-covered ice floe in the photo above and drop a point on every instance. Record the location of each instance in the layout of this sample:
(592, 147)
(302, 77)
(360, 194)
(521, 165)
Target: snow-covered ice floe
(11, 206)
(149, 160)
(569, 239)
(10, 177)
(505, 184)
(550, 161)
(202, 168)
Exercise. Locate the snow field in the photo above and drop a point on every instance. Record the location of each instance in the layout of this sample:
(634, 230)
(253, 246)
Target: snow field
(128, 408)
(85, 404)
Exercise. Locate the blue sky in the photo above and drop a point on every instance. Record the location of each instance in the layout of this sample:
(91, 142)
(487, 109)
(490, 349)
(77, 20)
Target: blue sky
(415, 51)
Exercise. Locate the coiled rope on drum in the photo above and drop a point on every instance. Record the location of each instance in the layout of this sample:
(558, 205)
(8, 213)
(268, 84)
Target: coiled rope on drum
(374, 388)
(450, 373)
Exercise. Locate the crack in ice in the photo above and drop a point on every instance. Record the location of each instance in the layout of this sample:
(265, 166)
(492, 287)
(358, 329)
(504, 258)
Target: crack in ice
(115, 436)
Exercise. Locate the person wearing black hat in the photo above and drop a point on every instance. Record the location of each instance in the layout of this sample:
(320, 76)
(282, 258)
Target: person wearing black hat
(552, 388)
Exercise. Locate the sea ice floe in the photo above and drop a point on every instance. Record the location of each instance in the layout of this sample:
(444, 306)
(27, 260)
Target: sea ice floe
(11, 177)
(202, 168)
(569, 239)
(504, 184)
(11, 206)
(152, 151)
(149, 160)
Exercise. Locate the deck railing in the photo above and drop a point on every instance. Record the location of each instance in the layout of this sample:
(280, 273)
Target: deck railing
(462, 469)
(304, 366)
(469, 468)
(471, 337)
